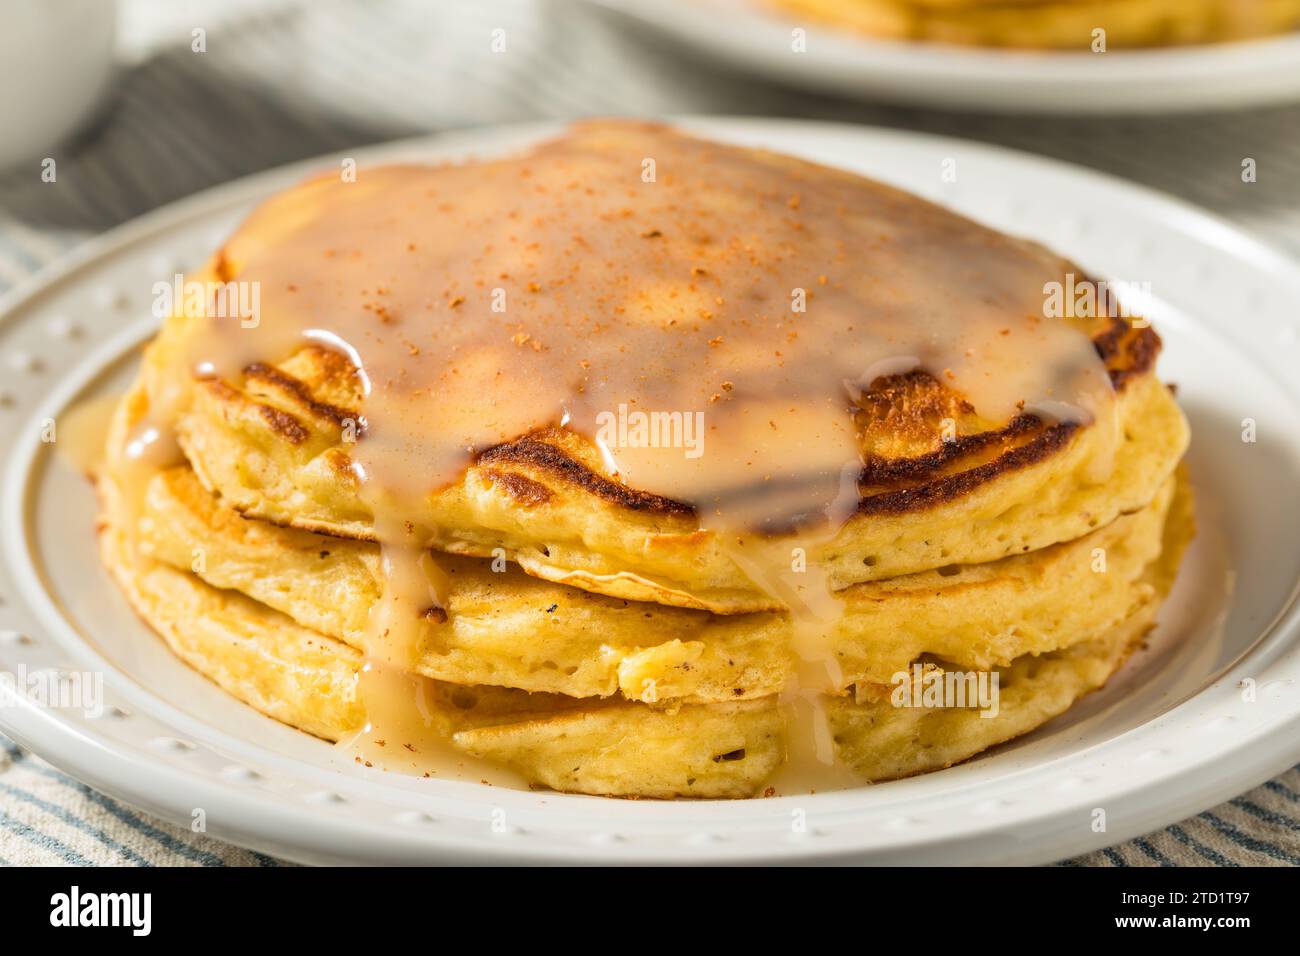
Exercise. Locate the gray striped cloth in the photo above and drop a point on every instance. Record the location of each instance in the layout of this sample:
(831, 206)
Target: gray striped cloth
(283, 80)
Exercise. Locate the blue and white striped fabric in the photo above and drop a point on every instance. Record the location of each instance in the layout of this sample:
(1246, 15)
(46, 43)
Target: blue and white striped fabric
(284, 79)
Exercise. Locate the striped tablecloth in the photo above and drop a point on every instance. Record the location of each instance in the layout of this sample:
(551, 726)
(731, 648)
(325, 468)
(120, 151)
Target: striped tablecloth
(283, 80)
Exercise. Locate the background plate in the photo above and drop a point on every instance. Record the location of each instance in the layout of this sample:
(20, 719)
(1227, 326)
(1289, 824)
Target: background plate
(1172, 735)
(748, 35)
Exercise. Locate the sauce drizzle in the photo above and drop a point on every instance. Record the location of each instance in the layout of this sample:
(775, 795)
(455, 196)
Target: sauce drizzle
(625, 268)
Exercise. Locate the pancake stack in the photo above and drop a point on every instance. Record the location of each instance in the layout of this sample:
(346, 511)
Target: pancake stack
(382, 511)
(1058, 24)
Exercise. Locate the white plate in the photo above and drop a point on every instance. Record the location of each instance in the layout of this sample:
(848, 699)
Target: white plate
(1169, 737)
(750, 36)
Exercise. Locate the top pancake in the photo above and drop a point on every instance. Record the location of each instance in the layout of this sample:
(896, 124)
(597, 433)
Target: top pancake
(949, 470)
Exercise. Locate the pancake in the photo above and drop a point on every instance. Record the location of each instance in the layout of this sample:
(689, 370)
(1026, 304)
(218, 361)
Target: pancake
(505, 628)
(942, 479)
(533, 500)
(731, 749)
(1057, 24)
(641, 465)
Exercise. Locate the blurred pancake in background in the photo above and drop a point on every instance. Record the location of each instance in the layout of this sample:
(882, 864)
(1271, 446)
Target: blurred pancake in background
(1056, 24)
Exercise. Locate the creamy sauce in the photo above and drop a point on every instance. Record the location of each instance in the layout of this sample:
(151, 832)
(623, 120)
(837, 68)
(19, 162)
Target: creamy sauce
(149, 447)
(627, 266)
(404, 731)
(80, 431)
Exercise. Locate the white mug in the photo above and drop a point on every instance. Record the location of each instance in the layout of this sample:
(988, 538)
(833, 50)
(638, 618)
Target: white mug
(56, 68)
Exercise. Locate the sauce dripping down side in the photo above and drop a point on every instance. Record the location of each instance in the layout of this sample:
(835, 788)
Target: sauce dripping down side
(627, 268)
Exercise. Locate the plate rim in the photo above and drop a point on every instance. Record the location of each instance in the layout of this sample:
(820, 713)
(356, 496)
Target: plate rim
(984, 79)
